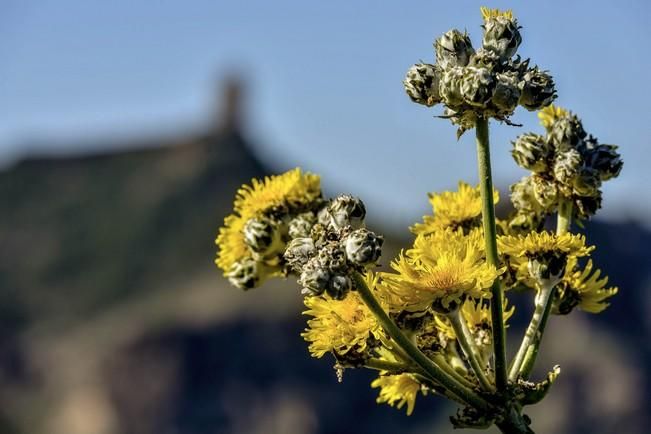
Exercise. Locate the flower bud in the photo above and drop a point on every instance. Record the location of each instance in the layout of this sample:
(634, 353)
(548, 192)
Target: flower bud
(567, 166)
(605, 160)
(347, 210)
(477, 86)
(263, 236)
(298, 252)
(314, 277)
(523, 198)
(545, 191)
(339, 286)
(502, 35)
(422, 84)
(538, 89)
(506, 93)
(332, 257)
(484, 58)
(532, 152)
(301, 225)
(453, 49)
(363, 247)
(567, 132)
(587, 206)
(587, 182)
(246, 273)
(451, 86)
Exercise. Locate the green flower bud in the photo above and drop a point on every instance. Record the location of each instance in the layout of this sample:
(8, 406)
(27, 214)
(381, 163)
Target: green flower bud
(314, 277)
(523, 198)
(363, 247)
(587, 182)
(451, 86)
(484, 58)
(587, 206)
(538, 89)
(332, 257)
(298, 252)
(545, 191)
(339, 286)
(247, 273)
(453, 49)
(477, 86)
(506, 93)
(301, 225)
(502, 35)
(605, 160)
(263, 236)
(567, 132)
(532, 152)
(422, 84)
(347, 210)
(525, 221)
(567, 166)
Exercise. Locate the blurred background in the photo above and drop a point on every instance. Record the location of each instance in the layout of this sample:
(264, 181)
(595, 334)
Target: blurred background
(126, 129)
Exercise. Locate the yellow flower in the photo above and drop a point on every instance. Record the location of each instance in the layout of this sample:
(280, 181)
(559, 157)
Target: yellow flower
(488, 13)
(538, 243)
(477, 315)
(549, 114)
(583, 288)
(453, 209)
(398, 390)
(340, 325)
(442, 269)
(292, 189)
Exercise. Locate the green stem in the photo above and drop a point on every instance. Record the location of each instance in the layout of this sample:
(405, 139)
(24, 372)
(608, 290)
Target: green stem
(469, 349)
(440, 361)
(385, 365)
(514, 422)
(490, 236)
(564, 218)
(533, 335)
(430, 368)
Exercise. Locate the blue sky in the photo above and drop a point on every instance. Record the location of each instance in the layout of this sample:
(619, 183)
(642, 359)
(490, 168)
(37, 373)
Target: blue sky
(325, 84)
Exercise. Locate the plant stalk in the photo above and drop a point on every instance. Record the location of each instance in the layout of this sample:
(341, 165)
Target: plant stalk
(490, 237)
(429, 367)
(469, 348)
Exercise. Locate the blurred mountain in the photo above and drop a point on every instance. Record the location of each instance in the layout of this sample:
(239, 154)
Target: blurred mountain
(113, 318)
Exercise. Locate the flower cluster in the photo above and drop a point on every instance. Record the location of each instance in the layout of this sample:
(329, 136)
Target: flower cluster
(566, 164)
(484, 83)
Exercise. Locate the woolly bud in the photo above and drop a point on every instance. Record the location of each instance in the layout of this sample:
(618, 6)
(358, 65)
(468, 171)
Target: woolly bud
(314, 277)
(567, 131)
(347, 210)
(301, 225)
(532, 152)
(545, 191)
(477, 86)
(339, 286)
(502, 35)
(422, 84)
(587, 206)
(506, 93)
(263, 236)
(484, 58)
(523, 198)
(363, 247)
(332, 257)
(453, 48)
(538, 89)
(451, 86)
(246, 273)
(567, 166)
(606, 161)
(298, 252)
(587, 182)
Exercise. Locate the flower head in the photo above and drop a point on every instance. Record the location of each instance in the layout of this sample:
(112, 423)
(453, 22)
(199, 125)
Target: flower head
(548, 115)
(341, 326)
(488, 13)
(584, 289)
(398, 390)
(293, 191)
(453, 209)
(440, 272)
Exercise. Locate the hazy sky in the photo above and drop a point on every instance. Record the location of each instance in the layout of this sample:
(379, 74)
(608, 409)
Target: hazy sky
(325, 84)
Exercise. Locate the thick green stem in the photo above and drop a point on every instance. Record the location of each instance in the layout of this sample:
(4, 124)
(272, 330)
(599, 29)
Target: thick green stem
(469, 349)
(385, 365)
(514, 422)
(490, 237)
(564, 218)
(533, 335)
(429, 367)
(440, 361)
